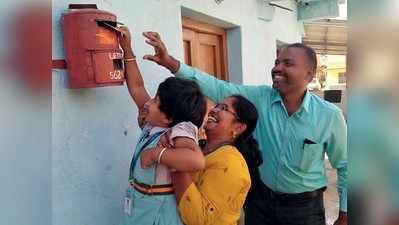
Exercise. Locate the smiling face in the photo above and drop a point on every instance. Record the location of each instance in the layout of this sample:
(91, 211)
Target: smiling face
(223, 121)
(292, 71)
(153, 115)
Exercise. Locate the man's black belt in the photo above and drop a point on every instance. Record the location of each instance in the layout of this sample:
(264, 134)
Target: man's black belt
(294, 196)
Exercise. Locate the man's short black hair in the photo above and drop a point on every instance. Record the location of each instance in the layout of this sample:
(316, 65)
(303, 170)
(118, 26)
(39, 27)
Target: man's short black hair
(310, 53)
(182, 101)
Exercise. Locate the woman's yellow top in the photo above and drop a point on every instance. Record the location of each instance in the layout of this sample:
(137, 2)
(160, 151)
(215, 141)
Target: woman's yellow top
(218, 192)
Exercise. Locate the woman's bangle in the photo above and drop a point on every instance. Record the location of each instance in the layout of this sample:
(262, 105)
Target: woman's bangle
(160, 155)
(130, 59)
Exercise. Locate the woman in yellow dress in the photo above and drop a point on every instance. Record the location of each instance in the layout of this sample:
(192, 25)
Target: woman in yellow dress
(216, 194)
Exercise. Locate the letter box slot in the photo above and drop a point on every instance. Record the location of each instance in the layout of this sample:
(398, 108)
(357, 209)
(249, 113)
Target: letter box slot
(118, 64)
(109, 24)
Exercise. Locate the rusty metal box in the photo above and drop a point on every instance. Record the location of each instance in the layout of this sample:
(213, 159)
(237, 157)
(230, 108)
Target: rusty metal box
(92, 52)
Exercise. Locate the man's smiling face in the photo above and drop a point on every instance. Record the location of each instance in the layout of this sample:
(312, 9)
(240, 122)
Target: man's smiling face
(292, 71)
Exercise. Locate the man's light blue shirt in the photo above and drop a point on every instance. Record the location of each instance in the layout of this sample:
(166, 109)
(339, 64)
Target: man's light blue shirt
(290, 164)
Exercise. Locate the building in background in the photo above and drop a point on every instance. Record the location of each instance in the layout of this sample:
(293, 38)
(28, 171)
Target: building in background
(329, 38)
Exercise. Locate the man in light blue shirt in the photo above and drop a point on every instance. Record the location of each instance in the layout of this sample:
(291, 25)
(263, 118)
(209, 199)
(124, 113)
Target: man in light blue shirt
(295, 130)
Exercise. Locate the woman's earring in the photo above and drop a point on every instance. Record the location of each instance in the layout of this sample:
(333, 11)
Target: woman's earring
(234, 135)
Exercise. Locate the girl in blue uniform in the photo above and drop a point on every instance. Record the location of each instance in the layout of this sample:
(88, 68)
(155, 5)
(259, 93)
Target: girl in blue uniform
(177, 110)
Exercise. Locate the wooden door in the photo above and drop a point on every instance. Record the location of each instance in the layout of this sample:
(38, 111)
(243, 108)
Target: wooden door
(205, 47)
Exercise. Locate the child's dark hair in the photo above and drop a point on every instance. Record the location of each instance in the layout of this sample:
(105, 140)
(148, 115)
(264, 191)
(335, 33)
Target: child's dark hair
(181, 100)
(245, 143)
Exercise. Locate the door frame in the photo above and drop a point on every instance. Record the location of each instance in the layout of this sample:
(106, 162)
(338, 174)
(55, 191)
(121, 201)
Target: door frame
(211, 29)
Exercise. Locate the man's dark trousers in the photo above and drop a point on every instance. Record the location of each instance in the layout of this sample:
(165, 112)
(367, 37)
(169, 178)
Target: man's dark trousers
(264, 207)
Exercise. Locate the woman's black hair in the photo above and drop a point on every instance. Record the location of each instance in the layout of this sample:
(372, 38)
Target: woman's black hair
(245, 142)
(182, 101)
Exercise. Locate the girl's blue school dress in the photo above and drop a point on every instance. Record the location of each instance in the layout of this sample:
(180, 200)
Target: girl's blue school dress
(143, 209)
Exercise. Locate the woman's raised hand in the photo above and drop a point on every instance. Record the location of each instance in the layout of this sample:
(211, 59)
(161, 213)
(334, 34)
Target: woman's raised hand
(161, 55)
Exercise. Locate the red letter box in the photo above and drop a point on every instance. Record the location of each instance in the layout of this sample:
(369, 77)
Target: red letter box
(92, 51)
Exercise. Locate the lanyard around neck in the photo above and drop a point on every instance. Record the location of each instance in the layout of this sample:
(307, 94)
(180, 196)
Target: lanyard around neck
(137, 155)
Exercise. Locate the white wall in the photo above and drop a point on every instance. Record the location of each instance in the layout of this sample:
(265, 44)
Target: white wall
(95, 129)
(258, 36)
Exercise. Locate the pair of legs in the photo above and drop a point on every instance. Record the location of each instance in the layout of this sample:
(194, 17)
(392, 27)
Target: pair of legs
(262, 207)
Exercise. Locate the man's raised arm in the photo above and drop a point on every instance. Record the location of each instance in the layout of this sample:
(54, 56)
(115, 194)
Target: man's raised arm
(212, 87)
